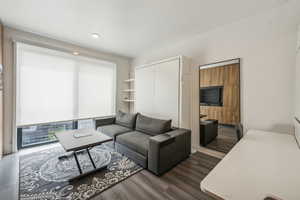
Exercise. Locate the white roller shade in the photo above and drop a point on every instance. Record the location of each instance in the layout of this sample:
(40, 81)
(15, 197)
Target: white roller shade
(96, 90)
(56, 86)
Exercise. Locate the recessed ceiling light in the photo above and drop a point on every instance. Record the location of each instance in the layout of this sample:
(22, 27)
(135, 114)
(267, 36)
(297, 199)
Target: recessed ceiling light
(75, 53)
(95, 35)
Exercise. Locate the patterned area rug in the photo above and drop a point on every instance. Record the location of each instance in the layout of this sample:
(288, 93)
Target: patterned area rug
(44, 176)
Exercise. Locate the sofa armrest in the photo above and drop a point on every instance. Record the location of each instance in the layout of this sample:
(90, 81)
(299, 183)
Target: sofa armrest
(168, 149)
(105, 121)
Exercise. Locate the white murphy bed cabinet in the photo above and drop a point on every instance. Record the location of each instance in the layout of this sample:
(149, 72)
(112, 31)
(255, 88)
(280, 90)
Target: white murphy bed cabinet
(163, 90)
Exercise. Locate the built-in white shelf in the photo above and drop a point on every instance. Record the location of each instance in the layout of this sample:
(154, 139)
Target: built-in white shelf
(129, 90)
(128, 100)
(129, 80)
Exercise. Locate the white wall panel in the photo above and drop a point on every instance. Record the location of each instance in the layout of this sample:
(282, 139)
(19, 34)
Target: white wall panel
(166, 102)
(157, 90)
(144, 80)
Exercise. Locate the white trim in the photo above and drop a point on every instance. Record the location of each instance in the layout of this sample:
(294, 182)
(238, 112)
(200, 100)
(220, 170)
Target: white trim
(158, 62)
(229, 62)
(95, 118)
(180, 74)
(297, 131)
(66, 50)
(14, 99)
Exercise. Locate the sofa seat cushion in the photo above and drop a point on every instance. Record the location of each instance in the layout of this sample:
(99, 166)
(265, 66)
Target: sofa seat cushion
(135, 141)
(152, 126)
(113, 130)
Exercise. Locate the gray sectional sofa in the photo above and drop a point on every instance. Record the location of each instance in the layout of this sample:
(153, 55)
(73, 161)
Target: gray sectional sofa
(151, 143)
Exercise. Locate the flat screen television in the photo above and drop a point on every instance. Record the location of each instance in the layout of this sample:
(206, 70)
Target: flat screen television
(211, 96)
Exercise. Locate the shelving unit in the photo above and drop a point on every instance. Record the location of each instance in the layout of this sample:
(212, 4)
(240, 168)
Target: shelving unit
(129, 100)
(129, 91)
(129, 80)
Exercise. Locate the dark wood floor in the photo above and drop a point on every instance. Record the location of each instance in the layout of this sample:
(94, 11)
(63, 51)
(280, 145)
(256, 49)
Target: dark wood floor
(225, 141)
(182, 182)
(9, 177)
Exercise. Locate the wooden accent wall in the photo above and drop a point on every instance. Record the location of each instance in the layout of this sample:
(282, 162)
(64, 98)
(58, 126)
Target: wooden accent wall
(227, 76)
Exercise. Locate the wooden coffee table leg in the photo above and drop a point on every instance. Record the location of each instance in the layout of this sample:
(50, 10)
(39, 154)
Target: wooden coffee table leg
(70, 154)
(89, 172)
(77, 162)
(65, 156)
(92, 161)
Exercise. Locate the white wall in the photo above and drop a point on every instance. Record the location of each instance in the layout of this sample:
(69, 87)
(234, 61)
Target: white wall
(266, 45)
(10, 35)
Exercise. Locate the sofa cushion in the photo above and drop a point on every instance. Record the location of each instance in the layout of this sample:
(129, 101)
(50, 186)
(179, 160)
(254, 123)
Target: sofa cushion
(113, 130)
(152, 126)
(135, 141)
(126, 119)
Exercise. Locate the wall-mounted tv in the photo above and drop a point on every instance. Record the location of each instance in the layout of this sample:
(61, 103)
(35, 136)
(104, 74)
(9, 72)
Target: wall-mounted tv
(211, 96)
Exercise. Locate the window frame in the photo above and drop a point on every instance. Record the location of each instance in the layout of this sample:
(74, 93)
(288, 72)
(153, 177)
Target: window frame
(75, 125)
(12, 124)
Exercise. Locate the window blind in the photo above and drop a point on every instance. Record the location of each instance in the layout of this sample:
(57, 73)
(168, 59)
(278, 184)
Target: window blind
(56, 86)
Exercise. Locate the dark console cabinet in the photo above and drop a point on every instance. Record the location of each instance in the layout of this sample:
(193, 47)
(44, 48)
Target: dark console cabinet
(208, 131)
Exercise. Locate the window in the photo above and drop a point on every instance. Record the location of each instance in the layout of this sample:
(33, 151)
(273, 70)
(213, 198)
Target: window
(40, 134)
(86, 124)
(54, 86)
(58, 91)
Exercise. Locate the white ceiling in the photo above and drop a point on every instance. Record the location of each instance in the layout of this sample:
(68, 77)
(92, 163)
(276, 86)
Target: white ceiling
(127, 27)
